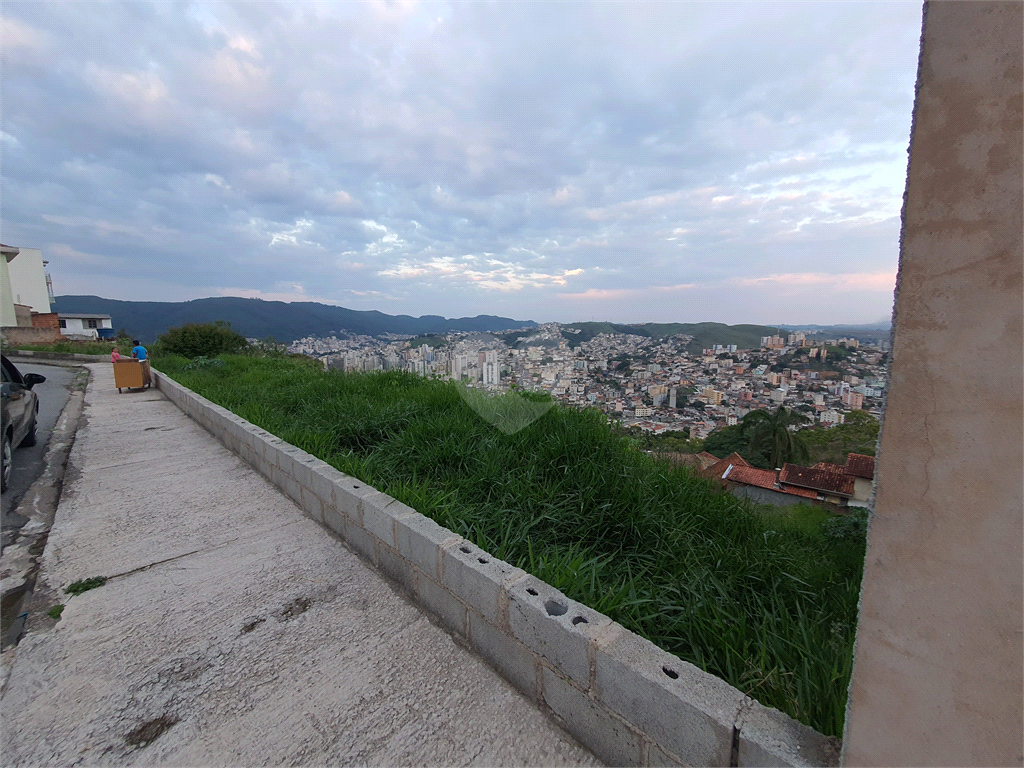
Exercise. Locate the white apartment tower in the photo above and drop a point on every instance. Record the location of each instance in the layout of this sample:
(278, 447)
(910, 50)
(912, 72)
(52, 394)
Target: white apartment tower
(491, 370)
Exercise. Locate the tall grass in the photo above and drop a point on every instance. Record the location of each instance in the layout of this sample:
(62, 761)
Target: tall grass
(765, 602)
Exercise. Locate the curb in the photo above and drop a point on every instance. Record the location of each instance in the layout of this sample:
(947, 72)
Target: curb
(29, 354)
(19, 563)
(625, 699)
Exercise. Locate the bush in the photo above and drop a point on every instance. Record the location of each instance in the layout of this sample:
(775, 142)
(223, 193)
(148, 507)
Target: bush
(201, 340)
(852, 527)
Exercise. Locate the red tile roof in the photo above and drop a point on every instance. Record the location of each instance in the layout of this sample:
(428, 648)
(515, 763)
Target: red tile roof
(762, 478)
(717, 469)
(807, 493)
(707, 459)
(823, 480)
(859, 465)
(828, 467)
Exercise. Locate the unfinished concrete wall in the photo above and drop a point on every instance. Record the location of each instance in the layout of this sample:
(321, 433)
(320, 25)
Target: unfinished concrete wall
(937, 672)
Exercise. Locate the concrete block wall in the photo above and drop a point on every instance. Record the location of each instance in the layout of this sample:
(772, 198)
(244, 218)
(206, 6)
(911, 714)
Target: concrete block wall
(624, 698)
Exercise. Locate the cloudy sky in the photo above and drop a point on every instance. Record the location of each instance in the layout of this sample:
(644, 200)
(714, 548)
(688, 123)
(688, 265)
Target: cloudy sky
(685, 161)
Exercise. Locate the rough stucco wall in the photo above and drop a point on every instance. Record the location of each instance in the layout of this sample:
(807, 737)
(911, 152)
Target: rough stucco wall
(937, 666)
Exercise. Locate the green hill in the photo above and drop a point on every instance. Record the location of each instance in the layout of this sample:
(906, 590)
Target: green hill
(704, 334)
(259, 319)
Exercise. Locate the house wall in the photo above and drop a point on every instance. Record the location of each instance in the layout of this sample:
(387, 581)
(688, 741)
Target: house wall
(7, 316)
(937, 676)
(767, 496)
(28, 280)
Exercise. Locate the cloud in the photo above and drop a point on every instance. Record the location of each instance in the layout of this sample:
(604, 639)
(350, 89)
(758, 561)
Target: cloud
(451, 159)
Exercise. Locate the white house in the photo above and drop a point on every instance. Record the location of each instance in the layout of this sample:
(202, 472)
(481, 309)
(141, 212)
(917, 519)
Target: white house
(24, 282)
(82, 325)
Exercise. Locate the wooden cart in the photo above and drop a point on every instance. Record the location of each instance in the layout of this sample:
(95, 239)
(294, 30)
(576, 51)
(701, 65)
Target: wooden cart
(132, 374)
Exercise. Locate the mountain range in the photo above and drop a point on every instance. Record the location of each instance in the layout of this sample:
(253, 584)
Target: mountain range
(285, 322)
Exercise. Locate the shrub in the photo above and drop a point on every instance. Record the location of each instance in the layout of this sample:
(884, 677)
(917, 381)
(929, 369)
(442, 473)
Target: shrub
(201, 340)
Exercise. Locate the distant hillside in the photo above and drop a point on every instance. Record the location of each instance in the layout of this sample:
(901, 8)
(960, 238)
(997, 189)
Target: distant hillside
(259, 319)
(704, 334)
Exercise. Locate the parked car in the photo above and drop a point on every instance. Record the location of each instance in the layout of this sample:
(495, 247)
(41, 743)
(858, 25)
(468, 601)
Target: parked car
(18, 413)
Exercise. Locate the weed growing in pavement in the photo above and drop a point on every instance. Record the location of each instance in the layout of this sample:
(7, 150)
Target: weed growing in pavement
(761, 599)
(78, 587)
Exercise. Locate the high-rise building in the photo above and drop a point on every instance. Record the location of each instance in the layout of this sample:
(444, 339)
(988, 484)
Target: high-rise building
(491, 370)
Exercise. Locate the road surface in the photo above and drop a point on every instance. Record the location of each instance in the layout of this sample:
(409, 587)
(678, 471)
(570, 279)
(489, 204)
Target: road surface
(28, 464)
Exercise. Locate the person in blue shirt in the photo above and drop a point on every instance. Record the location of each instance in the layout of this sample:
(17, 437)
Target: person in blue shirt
(139, 353)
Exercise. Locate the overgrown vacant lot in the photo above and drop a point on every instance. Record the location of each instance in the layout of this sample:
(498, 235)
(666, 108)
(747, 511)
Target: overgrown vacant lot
(765, 600)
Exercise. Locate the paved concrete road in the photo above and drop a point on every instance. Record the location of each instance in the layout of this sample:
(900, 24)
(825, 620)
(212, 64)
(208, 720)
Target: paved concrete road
(232, 630)
(27, 463)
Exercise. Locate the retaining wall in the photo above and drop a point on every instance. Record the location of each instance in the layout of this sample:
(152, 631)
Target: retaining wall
(27, 334)
(624, 698)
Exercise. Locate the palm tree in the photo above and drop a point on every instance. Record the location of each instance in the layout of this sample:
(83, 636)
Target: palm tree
(771, 437)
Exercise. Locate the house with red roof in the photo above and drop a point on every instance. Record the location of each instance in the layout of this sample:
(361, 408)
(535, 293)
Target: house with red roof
(824, 482)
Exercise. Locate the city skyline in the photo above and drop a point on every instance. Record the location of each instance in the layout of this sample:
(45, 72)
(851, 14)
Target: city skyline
(686, 162)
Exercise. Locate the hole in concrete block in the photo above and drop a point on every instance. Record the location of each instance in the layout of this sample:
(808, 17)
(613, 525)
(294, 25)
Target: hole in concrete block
(465, 549)
(482, 560)
(355, 486)
(580, 620)
(531, 591)
(670, 672)
(555, 608)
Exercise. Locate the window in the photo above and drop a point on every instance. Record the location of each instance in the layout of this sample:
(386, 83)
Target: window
(93, 324)
(63, 323)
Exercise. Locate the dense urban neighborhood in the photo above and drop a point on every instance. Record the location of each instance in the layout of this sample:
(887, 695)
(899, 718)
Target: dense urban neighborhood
(653, 384)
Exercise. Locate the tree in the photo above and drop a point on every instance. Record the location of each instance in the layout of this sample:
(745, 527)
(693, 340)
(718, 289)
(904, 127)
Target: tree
(727, 440)
(201, 340)
(769, 435)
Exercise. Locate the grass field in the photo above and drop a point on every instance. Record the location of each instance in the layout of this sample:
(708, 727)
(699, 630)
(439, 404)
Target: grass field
(760, 598)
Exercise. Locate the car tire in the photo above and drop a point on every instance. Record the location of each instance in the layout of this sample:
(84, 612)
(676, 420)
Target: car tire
(30, 439)
(5, 471)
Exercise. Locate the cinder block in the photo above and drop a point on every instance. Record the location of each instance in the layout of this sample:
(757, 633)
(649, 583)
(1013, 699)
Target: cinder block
(612, 740)
(346, 495)
(233, 428)
(361, 542)
(552, 625)
(396, 568)
(334, 521)
(677, 705)
(312, 504)
(419, 540)
(245, 453)
(769, 737)
(265, 468)
(507, 655)
(376, 517)
(442, 603)
(475, 577)
(286, 484)
(324, 478)
(302, 469)
(284, 460)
